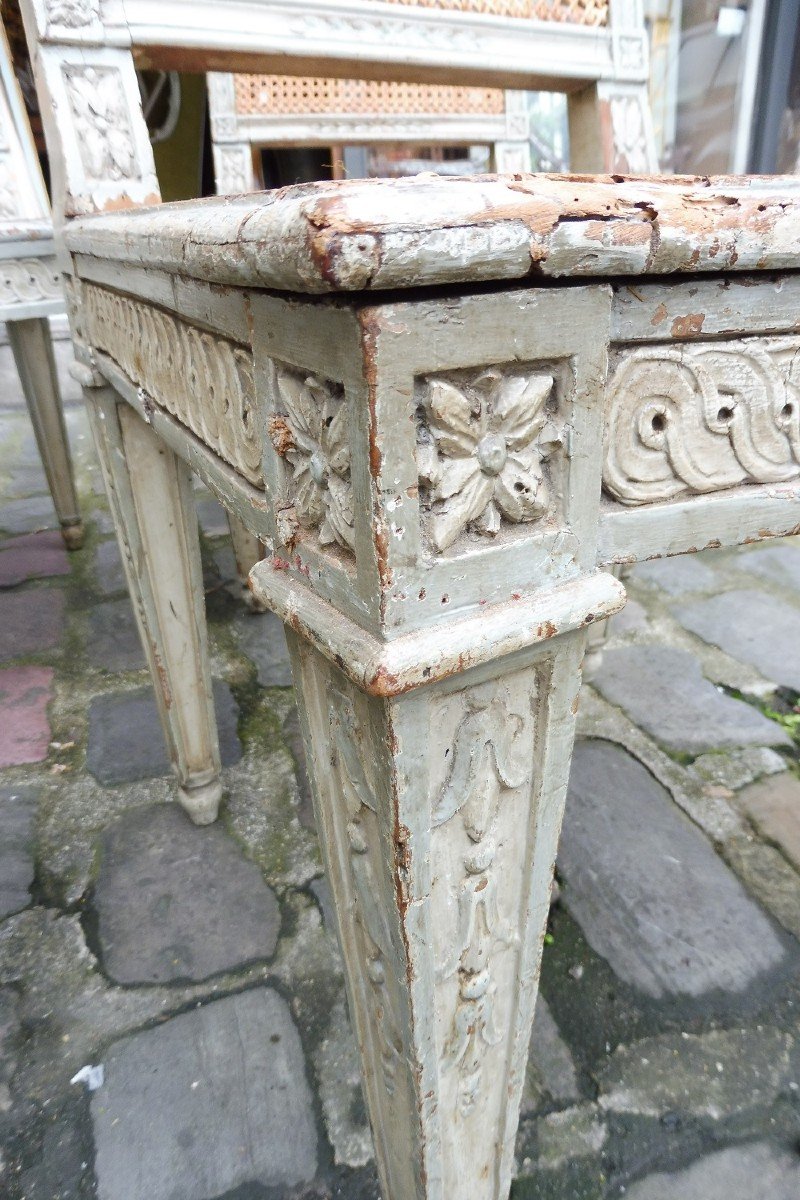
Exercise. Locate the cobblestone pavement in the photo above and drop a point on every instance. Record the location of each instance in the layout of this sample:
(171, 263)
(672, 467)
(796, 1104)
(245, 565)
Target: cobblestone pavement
(198, 966)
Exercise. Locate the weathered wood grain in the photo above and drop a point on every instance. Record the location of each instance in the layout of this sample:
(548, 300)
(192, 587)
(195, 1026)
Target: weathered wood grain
(404, 233)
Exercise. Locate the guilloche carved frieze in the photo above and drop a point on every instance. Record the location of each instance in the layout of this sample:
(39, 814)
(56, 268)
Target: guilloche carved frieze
(23, 280)
(701, 418)
(483, 441)
(203, 380)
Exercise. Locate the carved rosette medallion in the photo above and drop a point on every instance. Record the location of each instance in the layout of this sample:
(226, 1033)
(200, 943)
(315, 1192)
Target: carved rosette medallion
(483, 442)
(356, 795)
(309, 431)
(102, 123)
(203, 380)
(479, 816)
(701, 418)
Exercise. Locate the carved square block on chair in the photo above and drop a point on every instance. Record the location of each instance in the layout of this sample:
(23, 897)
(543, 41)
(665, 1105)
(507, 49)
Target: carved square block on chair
(447, 406)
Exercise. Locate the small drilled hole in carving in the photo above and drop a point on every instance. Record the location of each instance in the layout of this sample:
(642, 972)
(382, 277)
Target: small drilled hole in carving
(445, 599)
(725, 414)
(519, 487)
(659, 422)
(787, 410)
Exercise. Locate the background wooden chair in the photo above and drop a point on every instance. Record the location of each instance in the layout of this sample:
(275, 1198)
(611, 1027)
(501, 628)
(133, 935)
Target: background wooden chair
(250, 112)
(30, 291)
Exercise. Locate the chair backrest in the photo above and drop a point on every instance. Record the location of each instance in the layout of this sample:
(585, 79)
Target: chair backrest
(23, 197)
(30, 286)
(84, 54)
(249, 111)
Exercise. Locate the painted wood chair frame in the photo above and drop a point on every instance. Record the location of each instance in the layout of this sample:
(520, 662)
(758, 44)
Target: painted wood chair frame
(251, 112)
(248, 112)
(447, 406)
(31, 291)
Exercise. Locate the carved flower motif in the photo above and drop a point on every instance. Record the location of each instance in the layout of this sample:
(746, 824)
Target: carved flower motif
(480, 452)
(72, 13)
(102, 123)
(312, 437)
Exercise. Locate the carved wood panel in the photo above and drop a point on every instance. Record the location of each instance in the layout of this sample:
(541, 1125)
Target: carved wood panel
(308, 429)
(480, 805)
(485, 441)
(702, 417)
(202, 379)
(26, 279)
(102, 122)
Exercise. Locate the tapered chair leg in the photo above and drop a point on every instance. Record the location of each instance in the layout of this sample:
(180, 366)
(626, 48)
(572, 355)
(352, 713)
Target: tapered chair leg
(33, 353)
(439, 813)
(150, 495)
(247, 551)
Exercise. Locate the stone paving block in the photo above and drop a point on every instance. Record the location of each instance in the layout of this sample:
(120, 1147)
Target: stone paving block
(753, 627)
(717, 1075)
(9, 1035)
(63, 1170)
(663, 691)
(570, 1134)
(211, 1100)
(262, 639)
(756, 1171)
(647, 888)
(23, 482)
(109, 573)
(211, 515)
(773, 805)
(339, 1076)
(176, 902)
(632, 619)
(32, 556)
(677, 575)
(780, 561)
(113, 642)
(125, 739)
(551, 1070)
(25, 693)
(17, 815)
(26, 516)
(735, 768)
(31, 622)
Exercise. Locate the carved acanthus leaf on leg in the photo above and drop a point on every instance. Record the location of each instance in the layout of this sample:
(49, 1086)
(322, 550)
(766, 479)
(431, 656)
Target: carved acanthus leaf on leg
(491, 758)
(357, 796)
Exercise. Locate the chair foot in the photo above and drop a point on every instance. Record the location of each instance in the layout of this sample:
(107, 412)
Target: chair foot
(73, 535)
(201, 803)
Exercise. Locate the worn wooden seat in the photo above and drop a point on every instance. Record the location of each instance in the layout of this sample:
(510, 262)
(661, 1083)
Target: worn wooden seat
(30, 292)
(446, 406)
